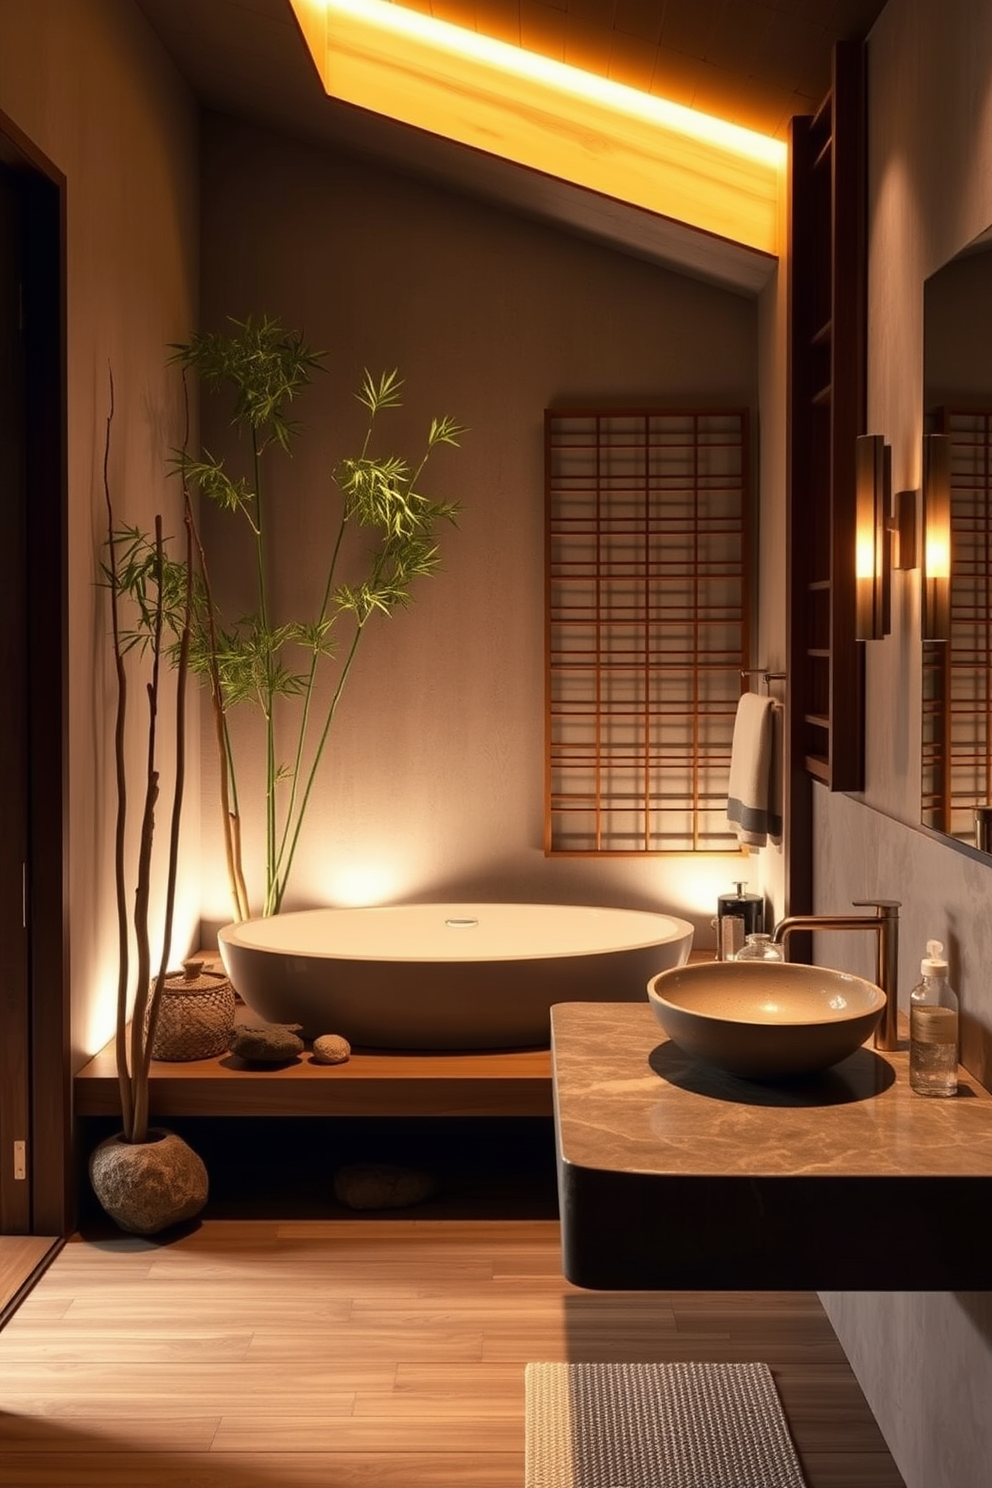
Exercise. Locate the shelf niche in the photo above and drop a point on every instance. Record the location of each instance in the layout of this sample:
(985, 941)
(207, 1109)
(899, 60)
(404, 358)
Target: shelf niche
(827, 396)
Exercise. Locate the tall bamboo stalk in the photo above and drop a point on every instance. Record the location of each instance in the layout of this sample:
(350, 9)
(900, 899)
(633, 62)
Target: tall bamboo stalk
(231, 821)
(134, 1054)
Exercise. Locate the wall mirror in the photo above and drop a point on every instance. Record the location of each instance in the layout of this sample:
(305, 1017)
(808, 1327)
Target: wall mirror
(957, 666)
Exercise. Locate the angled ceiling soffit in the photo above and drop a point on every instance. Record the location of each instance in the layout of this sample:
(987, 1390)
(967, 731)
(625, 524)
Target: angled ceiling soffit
(709, 183)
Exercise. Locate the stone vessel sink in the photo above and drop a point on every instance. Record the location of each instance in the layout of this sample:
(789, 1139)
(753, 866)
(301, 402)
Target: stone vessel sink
(765, 1020)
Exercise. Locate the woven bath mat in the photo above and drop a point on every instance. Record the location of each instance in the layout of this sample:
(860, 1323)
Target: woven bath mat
(656, 1426)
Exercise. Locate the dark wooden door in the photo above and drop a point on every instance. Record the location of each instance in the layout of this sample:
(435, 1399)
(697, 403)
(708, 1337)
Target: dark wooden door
(34, 1002)
(15, 1144)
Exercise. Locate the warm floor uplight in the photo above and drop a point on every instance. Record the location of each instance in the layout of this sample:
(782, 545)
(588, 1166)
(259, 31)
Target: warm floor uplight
(557, 119)
(357, 885)
(99, 1018)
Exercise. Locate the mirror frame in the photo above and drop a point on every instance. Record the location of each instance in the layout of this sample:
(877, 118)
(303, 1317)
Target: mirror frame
(957, 401)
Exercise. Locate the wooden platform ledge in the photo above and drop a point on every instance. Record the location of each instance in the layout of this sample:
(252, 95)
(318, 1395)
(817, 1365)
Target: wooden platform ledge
(517, 1083)
(514, 1083)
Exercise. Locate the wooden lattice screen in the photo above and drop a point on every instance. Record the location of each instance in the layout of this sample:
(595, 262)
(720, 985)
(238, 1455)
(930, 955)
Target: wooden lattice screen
(648, 523)
(957, 674)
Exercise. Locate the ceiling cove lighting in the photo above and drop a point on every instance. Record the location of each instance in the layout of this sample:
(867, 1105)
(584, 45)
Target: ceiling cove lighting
(675, 161)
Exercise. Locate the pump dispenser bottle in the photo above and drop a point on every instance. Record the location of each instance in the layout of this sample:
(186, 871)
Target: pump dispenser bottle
(738, 915)
(933, 1028)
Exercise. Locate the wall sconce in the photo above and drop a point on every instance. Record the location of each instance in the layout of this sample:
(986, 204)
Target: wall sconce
(936, 537)
(902, 526)
(872, 542)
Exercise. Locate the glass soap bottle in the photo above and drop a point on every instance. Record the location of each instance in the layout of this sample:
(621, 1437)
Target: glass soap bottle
(933, 1028)
(759, 948)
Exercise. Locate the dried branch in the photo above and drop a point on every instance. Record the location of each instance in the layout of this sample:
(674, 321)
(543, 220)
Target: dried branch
(120, 877)
(142, 891)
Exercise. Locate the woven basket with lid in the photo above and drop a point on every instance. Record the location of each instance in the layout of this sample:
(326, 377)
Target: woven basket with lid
(195, 1014)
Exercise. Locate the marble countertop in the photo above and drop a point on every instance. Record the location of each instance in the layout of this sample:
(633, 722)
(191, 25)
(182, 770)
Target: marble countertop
(672, 1174)
(628, 1098)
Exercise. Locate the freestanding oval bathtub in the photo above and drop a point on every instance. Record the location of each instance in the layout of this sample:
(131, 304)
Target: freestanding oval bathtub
(445, 976)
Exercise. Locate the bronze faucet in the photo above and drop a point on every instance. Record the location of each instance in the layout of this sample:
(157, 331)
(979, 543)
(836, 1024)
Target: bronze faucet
(885, 923)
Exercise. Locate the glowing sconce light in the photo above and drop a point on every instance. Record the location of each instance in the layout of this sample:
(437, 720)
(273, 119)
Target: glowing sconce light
(936, 537)
(560, 120)
(873, 553)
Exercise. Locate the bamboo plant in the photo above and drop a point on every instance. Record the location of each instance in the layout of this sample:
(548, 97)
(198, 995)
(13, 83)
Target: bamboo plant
(262, 660)
(135, 1036)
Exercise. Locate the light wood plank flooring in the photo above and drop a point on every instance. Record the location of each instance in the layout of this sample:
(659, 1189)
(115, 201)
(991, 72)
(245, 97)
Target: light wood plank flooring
(362, 1354)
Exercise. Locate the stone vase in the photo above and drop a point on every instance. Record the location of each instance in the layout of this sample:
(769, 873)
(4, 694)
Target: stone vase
(147, 1186)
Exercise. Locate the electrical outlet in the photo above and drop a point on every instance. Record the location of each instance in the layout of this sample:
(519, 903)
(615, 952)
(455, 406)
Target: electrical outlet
(20, 1160)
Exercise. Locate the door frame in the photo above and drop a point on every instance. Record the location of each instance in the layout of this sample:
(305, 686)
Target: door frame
(42, 192)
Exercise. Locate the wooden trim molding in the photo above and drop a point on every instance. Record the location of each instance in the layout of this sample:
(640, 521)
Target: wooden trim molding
(827, 409)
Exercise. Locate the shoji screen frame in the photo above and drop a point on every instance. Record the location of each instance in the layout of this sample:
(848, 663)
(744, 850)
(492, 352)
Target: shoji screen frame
(644, 653)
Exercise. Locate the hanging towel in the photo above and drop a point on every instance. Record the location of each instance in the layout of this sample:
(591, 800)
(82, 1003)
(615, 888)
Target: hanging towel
(753, 793)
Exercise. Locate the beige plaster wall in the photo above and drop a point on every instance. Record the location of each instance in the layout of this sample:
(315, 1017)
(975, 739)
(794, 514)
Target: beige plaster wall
(434, 786)
(924, 1359)
(88, 83)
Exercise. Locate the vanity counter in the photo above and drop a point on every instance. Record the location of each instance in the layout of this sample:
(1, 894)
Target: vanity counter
(673, 1175)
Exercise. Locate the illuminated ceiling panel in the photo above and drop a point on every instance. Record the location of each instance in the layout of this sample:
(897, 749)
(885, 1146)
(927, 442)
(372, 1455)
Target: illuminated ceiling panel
(673, 161)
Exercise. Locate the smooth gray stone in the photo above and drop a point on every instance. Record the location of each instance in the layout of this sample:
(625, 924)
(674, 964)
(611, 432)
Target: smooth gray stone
(383, 1186)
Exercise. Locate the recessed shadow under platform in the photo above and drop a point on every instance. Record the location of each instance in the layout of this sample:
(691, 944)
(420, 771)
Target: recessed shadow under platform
(284, 1167)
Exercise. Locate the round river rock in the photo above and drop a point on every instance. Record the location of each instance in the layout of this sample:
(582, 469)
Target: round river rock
(331, 1048)
(148, 1186)
(383, 1186)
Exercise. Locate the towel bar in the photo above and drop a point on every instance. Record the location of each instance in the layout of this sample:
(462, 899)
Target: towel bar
(765, 676)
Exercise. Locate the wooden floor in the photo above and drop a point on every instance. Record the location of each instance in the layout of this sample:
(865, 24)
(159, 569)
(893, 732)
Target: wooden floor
(362, 1353)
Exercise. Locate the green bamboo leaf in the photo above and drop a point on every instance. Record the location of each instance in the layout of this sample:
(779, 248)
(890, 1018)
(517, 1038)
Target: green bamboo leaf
(314, 636)
(138, 580)
(445, 430)
(382, 394)
(211, 479)
(264, 364)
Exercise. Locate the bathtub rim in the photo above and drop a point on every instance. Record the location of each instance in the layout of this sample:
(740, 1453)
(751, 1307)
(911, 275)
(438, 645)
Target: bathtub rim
(237, 934)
